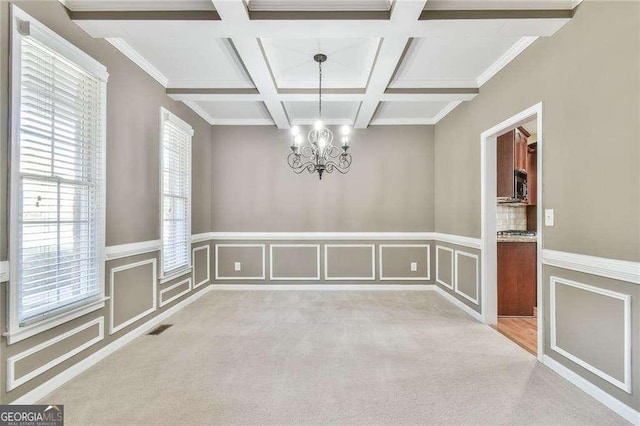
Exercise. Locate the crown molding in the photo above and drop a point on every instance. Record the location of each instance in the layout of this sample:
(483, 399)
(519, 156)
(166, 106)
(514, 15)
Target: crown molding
(138, 59)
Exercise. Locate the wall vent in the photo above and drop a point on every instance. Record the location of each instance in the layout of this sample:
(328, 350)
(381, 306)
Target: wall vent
(159, 329)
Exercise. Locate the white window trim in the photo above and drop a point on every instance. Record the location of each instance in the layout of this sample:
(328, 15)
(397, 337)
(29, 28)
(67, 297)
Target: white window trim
(40, 32)
(166, 115)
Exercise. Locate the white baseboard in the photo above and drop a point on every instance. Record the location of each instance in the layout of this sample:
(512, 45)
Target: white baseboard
(586, 386)
(52, 384)
(323, 287)
(477, 316)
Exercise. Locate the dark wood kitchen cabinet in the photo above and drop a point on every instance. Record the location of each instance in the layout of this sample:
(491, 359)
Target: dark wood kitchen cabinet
(512, 155)
(517, 282)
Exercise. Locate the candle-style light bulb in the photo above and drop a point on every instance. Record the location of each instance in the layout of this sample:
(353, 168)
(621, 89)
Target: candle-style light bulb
(322, 142)
(295, 130)
(346, 130)
(318, 125)
(298, 140)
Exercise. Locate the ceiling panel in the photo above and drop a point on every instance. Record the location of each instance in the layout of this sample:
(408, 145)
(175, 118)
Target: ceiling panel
(121, 5)
(348, 65)
(236, 111)
(333, 112)
(499, 4)
(179, 53)
(449, 61)
(318, 5)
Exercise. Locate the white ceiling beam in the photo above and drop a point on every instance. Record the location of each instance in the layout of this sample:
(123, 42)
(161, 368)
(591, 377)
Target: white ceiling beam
(252, 55)
(115, 24)
(231, 95)
(404, 14)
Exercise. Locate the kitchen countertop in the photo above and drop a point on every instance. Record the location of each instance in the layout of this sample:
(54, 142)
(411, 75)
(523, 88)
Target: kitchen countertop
(517, 239)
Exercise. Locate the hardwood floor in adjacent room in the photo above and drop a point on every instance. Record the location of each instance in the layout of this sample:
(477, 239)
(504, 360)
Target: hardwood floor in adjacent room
(521, 330)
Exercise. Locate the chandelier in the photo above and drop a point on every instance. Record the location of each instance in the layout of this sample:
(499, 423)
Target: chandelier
(318, 153)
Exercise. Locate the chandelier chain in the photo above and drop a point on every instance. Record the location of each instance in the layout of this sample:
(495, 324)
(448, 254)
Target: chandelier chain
(320, 91)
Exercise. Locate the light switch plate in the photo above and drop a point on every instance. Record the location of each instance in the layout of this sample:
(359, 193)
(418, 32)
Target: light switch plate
(237, 266)
(548, 217)
(414, 266)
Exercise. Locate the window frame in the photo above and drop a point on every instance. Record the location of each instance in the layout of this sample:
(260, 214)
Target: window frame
(168, 116)
(23, 25)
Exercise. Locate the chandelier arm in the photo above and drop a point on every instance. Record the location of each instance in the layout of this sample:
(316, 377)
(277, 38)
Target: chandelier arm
(342, 166)
(297, 166)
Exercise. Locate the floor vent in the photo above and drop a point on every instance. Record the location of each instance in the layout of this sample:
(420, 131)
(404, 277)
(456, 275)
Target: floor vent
(159, 329)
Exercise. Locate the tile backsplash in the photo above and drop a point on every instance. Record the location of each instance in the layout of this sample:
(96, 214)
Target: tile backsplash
(510, 218)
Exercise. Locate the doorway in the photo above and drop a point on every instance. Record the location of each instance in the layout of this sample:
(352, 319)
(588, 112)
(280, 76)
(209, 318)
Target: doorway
(490, 222)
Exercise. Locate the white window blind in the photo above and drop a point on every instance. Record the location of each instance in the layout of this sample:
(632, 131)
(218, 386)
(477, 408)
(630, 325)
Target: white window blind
(59, 182)
(176, 193)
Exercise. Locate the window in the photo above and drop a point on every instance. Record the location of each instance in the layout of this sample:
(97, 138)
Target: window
(57, 175)
(176, 194)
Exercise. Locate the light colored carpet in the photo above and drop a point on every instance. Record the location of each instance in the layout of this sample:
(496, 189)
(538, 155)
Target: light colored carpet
(307, 357)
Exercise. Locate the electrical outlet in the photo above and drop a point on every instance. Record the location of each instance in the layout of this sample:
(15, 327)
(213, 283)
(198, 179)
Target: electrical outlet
(548, 217)
(414, 266)
(237, 266)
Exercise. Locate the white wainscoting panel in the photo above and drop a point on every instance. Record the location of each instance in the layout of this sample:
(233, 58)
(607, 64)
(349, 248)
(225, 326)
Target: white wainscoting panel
(380, 258)
(176, 296)
(438, 280)
(13, 382)
(217, 274)
(273, 277)
(457, 254)
(626, 299)
(373, 262)
(154, 278)
(193, 257)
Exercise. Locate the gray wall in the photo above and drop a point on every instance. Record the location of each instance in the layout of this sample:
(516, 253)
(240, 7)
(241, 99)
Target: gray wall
(133, 135)
(389, 187)
(133, 122)
(587, 77)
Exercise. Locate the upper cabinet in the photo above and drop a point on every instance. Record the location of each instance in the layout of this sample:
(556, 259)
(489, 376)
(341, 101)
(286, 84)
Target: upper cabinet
(516, 163)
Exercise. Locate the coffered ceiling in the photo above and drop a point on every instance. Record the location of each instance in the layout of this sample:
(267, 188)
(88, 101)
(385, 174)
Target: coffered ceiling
(251, 63)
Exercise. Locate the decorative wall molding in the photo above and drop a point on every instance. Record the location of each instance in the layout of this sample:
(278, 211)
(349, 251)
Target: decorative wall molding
(458, 253)
(177, 296)
(438, 280)
(380, 258)
(475, 243)
(193, 256)
(326, 262)
(609, 268)
(272, 277)
(4, 271)
(199, 238)
(50, 385)
(154, 282)
(476, 315)
(356, 236)
(131, 249)
(13, 382)
(626, 299)
(322, 287)
(217, 274)
(586, 386)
